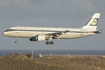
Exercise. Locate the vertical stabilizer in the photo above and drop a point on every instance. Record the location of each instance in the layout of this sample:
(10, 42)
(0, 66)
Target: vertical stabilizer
(92, 23)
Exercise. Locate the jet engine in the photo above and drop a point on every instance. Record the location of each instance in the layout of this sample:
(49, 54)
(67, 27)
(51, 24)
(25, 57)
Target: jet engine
(38, 38)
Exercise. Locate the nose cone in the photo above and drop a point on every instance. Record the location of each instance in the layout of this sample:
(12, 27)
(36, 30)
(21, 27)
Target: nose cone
(5, 33)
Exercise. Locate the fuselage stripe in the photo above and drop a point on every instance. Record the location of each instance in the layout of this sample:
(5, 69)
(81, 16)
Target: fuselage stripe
(48, 31)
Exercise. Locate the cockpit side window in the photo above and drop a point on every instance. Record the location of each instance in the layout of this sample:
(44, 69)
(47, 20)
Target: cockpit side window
(9, 30)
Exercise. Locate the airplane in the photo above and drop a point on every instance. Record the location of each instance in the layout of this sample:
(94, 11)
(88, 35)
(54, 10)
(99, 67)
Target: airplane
(48, 33)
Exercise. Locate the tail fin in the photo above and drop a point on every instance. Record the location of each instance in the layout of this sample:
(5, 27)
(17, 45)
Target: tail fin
(92, 23)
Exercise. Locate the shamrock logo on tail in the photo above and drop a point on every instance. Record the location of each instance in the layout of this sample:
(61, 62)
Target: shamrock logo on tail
(94, 22)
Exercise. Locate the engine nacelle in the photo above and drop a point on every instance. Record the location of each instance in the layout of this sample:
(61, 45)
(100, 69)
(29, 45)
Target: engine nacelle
(38, 38)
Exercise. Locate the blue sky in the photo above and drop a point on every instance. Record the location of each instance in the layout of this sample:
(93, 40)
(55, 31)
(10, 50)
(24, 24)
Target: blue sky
(51, 13)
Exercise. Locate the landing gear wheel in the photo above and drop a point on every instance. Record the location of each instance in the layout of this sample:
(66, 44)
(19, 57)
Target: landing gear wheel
(51, 42)
(15, 42)
(47, 42)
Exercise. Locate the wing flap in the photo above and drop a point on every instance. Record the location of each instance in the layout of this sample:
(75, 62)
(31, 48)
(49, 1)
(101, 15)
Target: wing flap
(58, 33)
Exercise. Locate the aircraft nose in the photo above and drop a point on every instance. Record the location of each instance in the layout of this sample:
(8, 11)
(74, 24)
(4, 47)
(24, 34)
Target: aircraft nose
(4, 33)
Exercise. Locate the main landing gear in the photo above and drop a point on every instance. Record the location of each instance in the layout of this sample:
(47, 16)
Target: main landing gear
(50, 42)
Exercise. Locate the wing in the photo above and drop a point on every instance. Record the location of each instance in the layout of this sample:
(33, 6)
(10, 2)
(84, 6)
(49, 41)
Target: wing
(58, 33)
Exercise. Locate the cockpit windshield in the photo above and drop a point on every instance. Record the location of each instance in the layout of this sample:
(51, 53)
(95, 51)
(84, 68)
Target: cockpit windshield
(9, 30)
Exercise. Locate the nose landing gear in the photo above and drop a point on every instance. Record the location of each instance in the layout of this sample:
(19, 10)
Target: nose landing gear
(16, 40)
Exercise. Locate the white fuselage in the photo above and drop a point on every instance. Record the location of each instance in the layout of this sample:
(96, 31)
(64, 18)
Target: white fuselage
(29, 32)
(46, 33)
